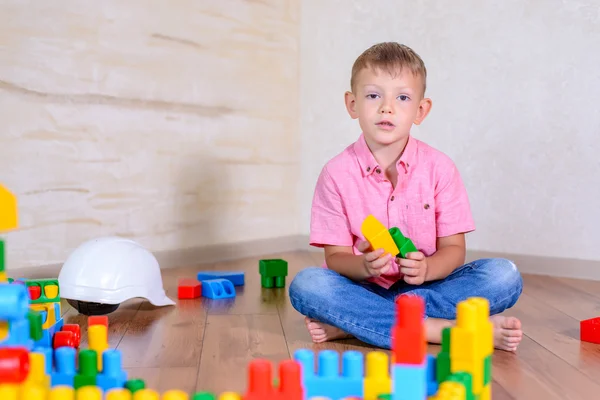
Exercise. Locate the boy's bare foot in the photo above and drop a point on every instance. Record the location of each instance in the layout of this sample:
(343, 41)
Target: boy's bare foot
(321, 332)
(507, 332)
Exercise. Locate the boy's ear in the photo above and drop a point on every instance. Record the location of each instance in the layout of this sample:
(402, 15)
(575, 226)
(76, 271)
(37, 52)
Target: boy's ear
(350, 100)
(424, 108)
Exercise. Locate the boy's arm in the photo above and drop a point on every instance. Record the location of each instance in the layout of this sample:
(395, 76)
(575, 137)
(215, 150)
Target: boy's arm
(342, 260)
(450, 254)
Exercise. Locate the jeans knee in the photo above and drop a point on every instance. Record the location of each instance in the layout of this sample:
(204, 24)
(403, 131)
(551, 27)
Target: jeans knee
(505, 280)
(310, 284)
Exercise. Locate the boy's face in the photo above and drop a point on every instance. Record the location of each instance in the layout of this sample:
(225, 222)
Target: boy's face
(387, 105)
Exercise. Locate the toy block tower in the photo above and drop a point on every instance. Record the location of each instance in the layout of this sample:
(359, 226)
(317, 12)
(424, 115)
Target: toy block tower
(471, 348)
(273, 273)
(8, 222)
(409, 350)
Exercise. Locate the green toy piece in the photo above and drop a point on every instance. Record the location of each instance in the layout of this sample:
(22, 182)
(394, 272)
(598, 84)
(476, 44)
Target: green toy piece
(35, 325)
(487, 370)
(386, 396)
(405, 245)
(2, 261)
(204, 396)
(88, 369)
(442, 369)
(42, 283)
(133, 385)
(465, 379)
(273, 272)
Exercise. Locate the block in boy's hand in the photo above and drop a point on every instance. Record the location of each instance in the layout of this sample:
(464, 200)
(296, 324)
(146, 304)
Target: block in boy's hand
(378, 236)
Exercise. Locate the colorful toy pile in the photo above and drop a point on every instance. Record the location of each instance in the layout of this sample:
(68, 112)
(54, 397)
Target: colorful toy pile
(38, 355)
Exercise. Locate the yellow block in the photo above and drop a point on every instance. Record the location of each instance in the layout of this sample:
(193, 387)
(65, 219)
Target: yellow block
(62, 392)
(3, 277)
(175, 395)
(9, 392)
(51, 291)
(8, 210)
(486, 392)
(471, 340)
(118, 394)
(378, 236)
(37, 371)
(34, 391)
(3, 331)
(98, 341)
(230, 396)
(449, 390)
(50, 314)
(89, 393)
(146, 394)
(377, 376)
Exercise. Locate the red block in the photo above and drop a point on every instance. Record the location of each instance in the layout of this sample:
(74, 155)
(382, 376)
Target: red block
(260, 382)
(14, 364)
(63, 339)
(409, 344)
(589, 330)
(75, 330)
(98, 320)
(35, 292)
(189, 288)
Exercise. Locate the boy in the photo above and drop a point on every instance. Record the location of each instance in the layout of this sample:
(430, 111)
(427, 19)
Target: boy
(405, 183)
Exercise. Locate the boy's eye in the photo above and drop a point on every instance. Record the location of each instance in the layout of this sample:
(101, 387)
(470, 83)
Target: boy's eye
(403, 97)
(372, 96)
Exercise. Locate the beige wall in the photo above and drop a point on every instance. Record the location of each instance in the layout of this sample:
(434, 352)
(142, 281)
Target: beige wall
(173, 123)
(515, 88)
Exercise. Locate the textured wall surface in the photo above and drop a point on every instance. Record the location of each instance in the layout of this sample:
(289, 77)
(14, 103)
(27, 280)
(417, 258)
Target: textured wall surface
(515, 88)
(172, 123)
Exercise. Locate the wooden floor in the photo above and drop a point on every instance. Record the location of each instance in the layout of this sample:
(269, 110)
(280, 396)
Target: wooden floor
(206, 345)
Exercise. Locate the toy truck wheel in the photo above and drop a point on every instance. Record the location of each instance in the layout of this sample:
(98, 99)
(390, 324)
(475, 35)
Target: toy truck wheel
(76, 330)
(63, 339)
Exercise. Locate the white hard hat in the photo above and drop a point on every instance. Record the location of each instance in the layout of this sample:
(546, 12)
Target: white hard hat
(111, 270)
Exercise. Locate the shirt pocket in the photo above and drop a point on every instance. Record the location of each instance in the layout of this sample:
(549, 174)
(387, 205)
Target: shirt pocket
(420, 216)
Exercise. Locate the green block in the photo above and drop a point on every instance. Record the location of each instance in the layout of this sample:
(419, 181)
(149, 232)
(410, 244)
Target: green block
(487, 370)
(133, 385)
(442, 369)
(273, 268)
(2, 259)
(386, 396)
(35, 325)
(276, 282)
(404, 244)
(465, 379)
(204, 396)
(43, 283)
(88, 369)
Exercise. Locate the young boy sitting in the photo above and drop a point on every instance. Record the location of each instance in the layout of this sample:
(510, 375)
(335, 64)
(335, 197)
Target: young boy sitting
(404, 183)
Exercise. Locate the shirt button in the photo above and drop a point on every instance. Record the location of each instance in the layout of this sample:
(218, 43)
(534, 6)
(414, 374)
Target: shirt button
(392, 199)
(378, 170)
(368, 169)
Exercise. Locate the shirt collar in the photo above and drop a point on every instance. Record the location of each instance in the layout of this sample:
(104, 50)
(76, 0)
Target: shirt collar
(369, 165)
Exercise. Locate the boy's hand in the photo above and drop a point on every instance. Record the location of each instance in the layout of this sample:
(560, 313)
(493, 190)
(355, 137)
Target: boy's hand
(374, 264)
(414, 267)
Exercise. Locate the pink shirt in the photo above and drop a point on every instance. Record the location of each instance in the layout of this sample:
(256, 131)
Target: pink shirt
(429, 200)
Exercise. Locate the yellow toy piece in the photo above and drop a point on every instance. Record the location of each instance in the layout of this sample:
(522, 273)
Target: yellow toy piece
(175, 395)
(471, 340)
(8, 210)
(9, 391)
(50, 311)
(98, 341)
(89, 393)
(146, 394)
(230, 396)
(378, 236)
(377, 375)
(62, 392)
(37, 371)
(118, 394)
(449, 390)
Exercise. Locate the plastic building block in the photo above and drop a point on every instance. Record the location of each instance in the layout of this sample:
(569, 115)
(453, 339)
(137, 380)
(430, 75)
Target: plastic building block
(404, 244)
(273, 273)
(48, 289)
(188, 288)
(409, 381)
(378, 236)
(328, 382)
(2, 259)
(75, 330)
(466, 380)
(112, 376)
(589, 330)
(450, 391)
(98, 320)
(64, 371)
(408, 335)
(133, 385)
(218, 289)
(432, 384)
(443, 358)
(260, 381)
(8, 210)
(204, 396)
(14, 364)
(37, 370)
(35, 325)
(88, 369)
(377, 376)
(98, 341)
(236, 277)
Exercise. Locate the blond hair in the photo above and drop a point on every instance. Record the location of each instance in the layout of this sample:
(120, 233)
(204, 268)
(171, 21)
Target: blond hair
(391, 57)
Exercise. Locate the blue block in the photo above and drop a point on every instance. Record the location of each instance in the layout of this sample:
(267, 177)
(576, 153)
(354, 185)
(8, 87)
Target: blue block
(18, 335)
(409, 381)
(328, 382)
(64, 360)
(14, 302)
(112, 375)
(48, 334)
(218, 289)
(235, 277)
(48, 357)
(432, 383)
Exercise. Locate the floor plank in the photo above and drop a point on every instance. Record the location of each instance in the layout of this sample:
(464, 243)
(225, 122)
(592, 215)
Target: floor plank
(231, 342)
(167, 378)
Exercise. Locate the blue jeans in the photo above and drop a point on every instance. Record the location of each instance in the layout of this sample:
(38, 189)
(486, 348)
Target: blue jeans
(367, 311)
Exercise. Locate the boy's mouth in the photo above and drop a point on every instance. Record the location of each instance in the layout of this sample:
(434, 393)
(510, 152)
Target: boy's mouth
(385, 123)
